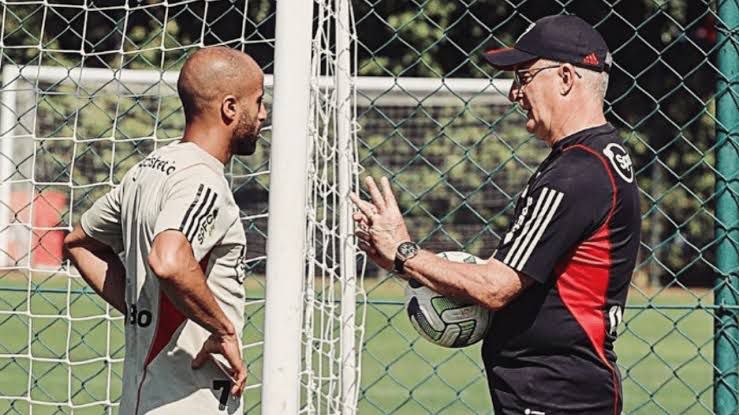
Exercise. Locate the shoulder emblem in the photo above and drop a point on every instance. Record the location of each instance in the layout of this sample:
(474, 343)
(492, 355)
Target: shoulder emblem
(620, 160)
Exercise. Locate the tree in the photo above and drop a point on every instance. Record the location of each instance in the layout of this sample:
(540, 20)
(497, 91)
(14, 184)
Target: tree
(459, 166)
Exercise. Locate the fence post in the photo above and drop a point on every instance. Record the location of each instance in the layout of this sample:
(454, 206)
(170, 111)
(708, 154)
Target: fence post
(726, 346)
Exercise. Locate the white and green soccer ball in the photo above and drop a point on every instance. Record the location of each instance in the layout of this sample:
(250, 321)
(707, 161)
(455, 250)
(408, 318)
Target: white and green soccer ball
(446, 321)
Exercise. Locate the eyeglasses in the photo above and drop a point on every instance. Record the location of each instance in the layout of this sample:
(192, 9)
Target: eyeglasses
(524, 76)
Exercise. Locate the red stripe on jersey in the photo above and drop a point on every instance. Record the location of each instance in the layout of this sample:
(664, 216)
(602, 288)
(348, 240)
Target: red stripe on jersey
(169, 320)
(582, 283)
(583, 279)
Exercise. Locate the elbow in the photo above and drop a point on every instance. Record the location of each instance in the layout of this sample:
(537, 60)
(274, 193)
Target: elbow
(68, 243)
(495, 299)
(493, 303)
(170, 256)
(72, 240)
(163, 265)
(501, 288)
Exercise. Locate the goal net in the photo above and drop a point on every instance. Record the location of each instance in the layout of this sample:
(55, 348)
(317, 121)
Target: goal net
(89, 90)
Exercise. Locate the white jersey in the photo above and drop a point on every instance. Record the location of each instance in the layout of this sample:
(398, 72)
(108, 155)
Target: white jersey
(178, 187)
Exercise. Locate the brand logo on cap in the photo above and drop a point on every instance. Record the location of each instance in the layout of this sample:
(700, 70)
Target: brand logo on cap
(590, 59)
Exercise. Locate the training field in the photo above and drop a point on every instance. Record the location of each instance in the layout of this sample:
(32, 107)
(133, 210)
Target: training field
(665, 354)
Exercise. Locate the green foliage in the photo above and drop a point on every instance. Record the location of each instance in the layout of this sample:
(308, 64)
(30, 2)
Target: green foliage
(448, 161)
(453, 168)
(457, 169)
(660, 99)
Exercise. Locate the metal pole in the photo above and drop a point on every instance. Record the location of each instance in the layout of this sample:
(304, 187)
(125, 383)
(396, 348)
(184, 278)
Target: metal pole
(287, 209)
(344, 114)
(726, 346)
(8, 120)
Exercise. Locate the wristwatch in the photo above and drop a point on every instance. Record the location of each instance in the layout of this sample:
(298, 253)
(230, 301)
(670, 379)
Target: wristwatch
(405, 251)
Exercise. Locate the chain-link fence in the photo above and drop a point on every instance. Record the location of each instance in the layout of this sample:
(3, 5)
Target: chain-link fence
(457, 161)
(458, 170)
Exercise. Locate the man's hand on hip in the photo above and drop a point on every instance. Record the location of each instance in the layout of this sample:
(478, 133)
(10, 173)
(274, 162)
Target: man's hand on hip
(228, 347)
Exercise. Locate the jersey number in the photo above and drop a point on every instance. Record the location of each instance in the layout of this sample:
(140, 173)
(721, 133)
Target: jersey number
(225, 386)
(138, 318)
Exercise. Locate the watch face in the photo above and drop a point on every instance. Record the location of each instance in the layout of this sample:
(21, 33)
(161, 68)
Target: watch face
(407, 248)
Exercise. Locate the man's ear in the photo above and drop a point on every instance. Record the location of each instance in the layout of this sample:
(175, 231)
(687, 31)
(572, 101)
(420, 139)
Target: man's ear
(228, 109)
(567, 78)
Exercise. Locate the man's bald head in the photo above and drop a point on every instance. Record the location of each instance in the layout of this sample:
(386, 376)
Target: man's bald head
(213, 73)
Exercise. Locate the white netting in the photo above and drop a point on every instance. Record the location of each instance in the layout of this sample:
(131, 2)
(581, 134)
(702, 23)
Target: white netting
(89, 89)
(334, 297)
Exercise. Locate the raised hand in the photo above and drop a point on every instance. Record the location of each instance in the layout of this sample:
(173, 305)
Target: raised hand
(381, 227)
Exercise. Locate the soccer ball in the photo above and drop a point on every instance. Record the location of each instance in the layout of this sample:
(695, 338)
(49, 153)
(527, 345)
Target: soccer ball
(445, 321)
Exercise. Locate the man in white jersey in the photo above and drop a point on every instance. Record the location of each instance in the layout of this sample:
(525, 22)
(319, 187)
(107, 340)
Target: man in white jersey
(166, 248)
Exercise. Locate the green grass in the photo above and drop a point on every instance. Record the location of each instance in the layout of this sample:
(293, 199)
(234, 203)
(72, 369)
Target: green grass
(665, 355)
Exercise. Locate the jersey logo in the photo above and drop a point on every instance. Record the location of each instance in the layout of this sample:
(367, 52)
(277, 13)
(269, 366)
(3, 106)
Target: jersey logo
(154, 162)
(207, 226)
(620, 161)
(519, 221)
(241, 265)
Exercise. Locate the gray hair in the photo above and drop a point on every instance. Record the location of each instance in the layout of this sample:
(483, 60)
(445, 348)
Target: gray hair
(597, 82)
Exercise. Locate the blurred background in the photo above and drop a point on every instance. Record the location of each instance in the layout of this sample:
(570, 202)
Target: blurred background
(432, 116)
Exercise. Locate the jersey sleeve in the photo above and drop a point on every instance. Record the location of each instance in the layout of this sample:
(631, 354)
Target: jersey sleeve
(567, 204)
(103, 220)
(195, 204)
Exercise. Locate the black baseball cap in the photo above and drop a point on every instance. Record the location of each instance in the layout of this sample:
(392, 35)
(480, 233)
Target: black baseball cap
(563, 38)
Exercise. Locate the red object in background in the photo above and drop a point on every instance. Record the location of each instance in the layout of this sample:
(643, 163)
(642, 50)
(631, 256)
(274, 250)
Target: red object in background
(47, 245)
(47, 208)
(707, 30)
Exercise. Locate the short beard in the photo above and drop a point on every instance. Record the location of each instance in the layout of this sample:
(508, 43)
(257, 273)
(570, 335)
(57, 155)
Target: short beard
(245, 138)
(245, 147)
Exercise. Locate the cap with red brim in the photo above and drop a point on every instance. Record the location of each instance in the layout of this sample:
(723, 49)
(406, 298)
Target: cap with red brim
(561, 38)
(507, 59)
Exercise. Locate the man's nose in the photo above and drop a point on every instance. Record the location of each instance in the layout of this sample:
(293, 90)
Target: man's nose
(514, 94)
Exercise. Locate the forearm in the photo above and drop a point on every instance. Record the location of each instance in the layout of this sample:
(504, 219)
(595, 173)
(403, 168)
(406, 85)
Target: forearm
(491, 285)
(189, 292)
(104, 273)
(182, 279)
(452, 279)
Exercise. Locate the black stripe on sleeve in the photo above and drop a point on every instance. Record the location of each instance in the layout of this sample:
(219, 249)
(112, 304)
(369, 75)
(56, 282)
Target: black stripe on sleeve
(190, 228)
(211, 203)
(192, 206)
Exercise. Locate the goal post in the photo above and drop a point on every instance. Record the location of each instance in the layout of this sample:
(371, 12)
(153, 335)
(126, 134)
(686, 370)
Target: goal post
(327, 303)
(21, 83)
(287, 199)
(345, 117)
